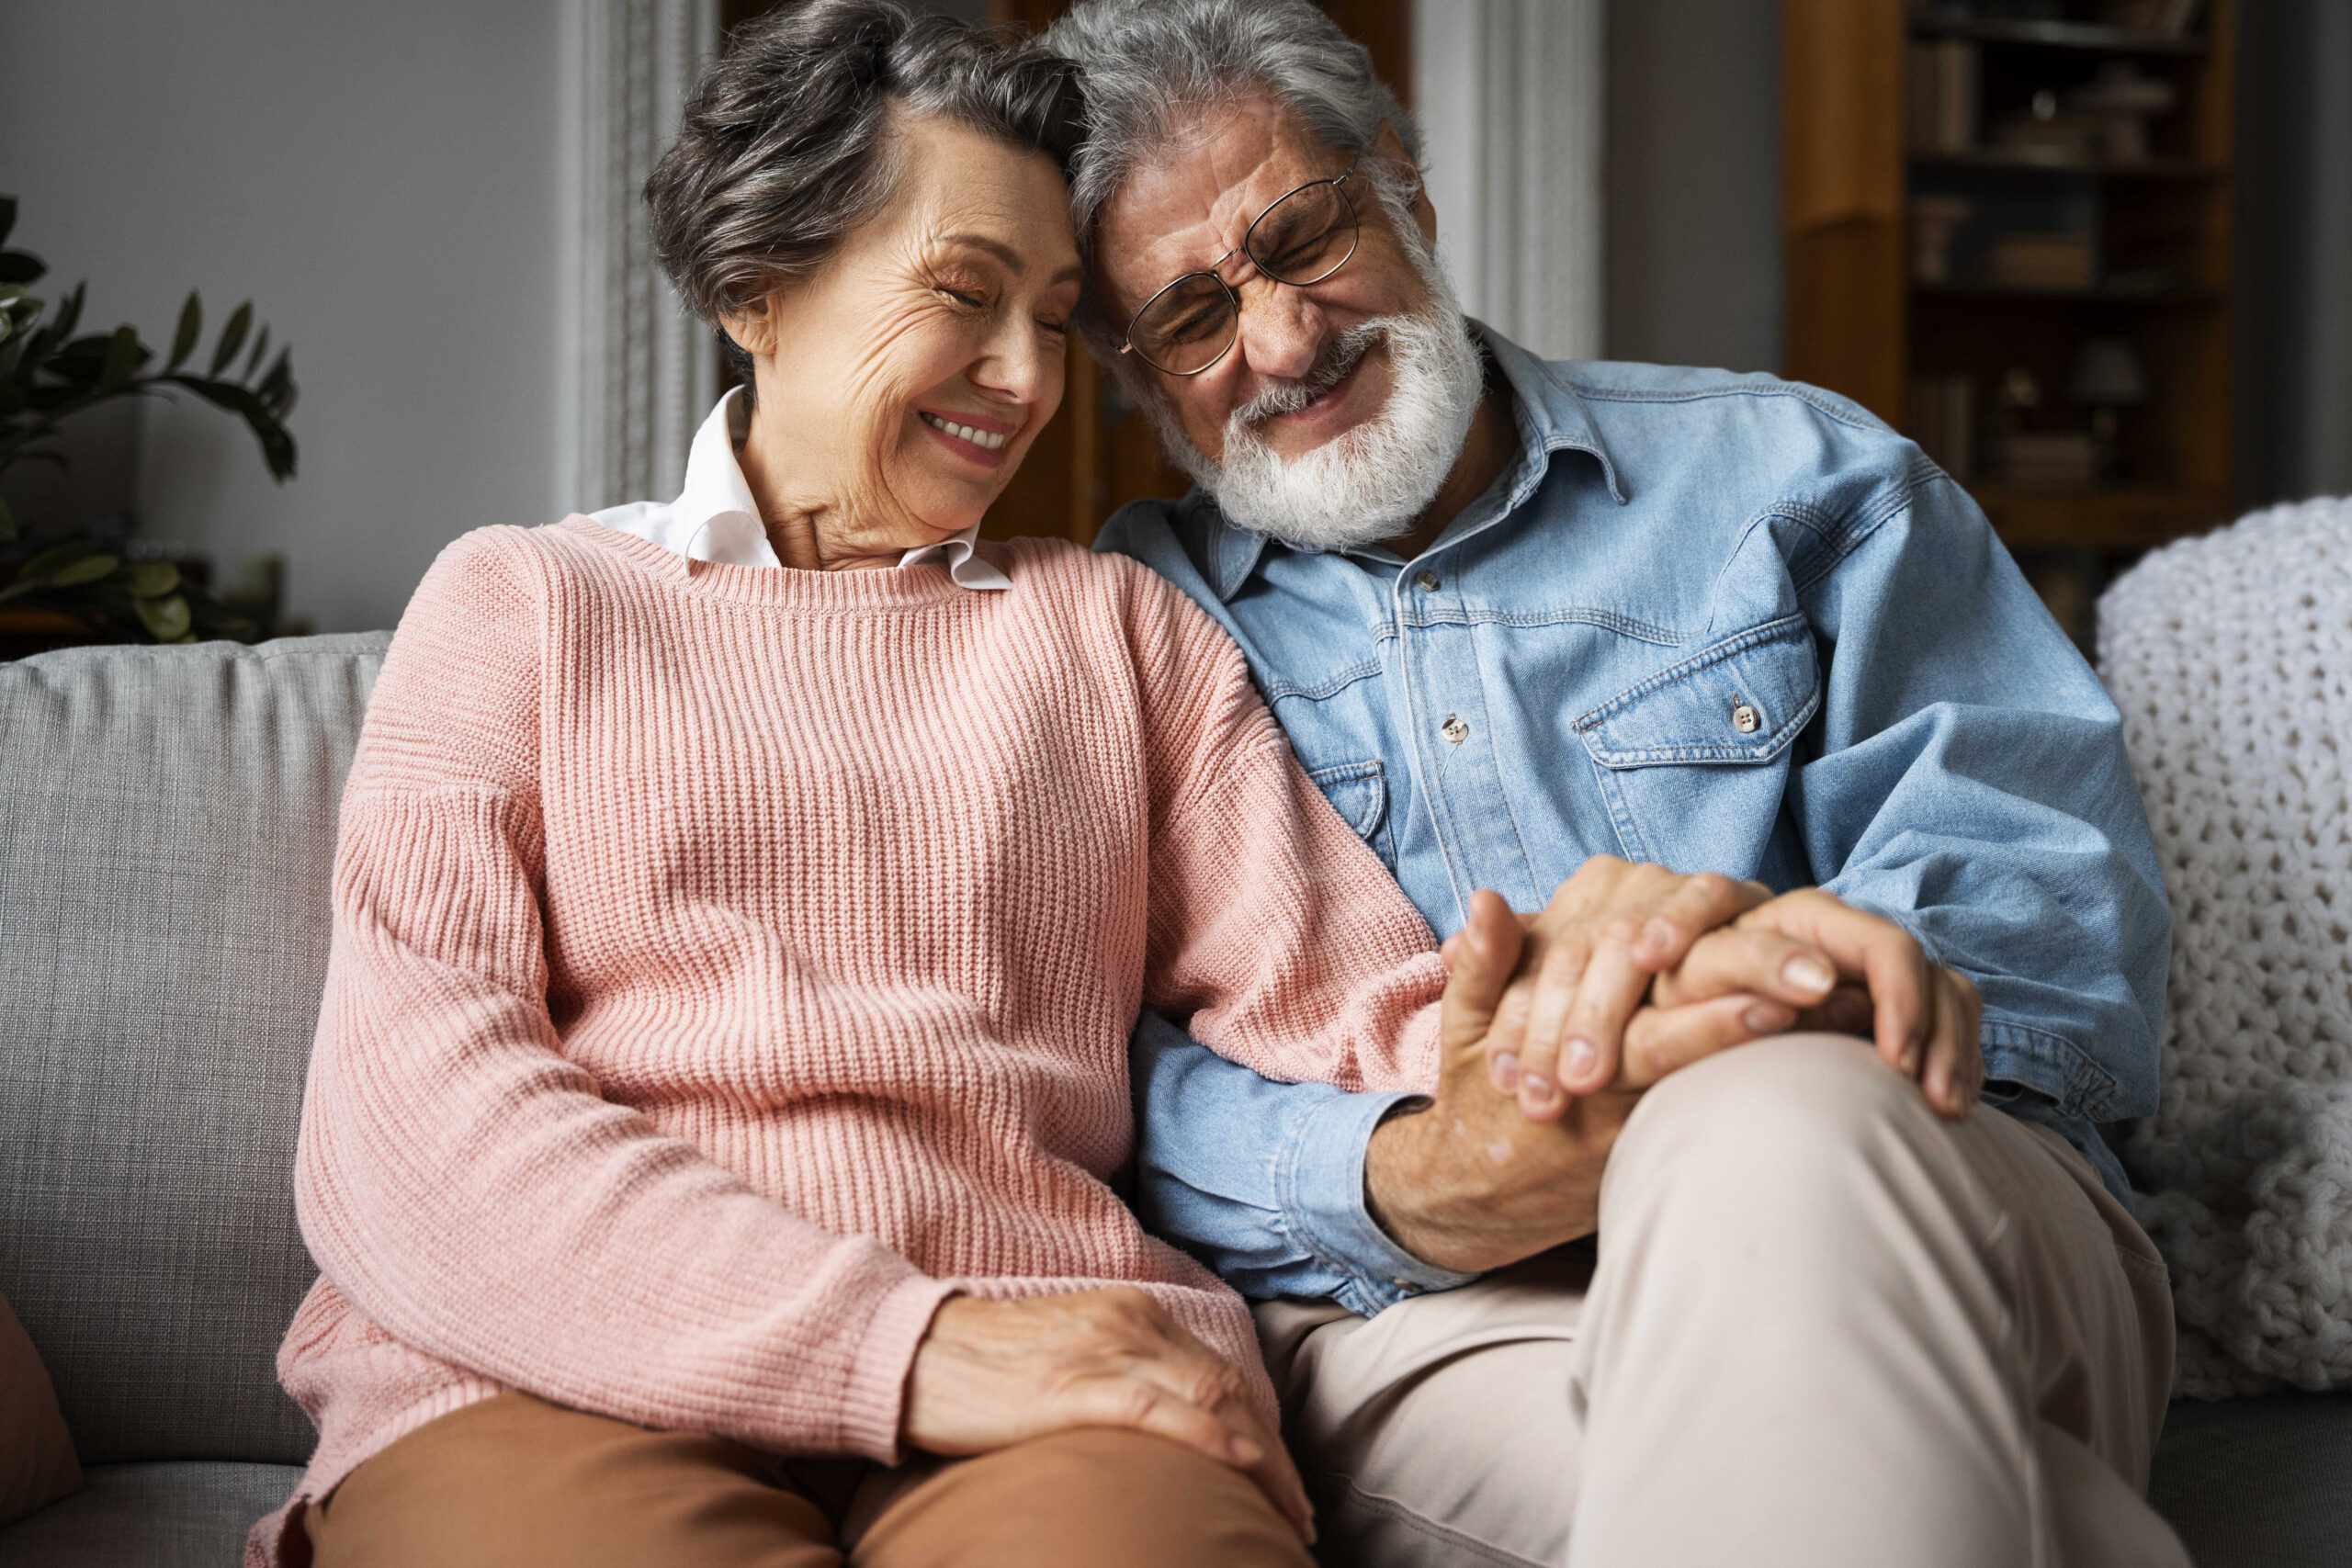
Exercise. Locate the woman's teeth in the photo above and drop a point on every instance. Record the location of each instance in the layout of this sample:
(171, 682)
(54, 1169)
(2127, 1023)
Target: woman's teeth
(989, 439)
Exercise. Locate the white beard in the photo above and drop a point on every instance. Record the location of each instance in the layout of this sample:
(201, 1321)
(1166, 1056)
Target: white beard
(1369, 484)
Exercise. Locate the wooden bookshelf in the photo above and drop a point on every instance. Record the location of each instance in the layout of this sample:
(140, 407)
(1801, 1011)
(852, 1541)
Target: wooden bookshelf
(1981, 250)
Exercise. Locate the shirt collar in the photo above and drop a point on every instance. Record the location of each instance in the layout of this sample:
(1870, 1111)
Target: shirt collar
(715, 518)
(1550, 417)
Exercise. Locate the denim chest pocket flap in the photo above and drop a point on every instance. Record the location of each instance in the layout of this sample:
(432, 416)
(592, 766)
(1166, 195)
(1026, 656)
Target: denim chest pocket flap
(1741, 700)
(1358, 792)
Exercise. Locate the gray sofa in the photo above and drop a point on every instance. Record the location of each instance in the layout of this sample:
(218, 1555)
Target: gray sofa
(166, 822)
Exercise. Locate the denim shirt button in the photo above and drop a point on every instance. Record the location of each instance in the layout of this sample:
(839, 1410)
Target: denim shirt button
(1425, 580)
(1453, 730)
(1743, 718)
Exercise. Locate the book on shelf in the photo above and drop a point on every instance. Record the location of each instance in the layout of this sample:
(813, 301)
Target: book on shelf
(2026, 260)
(2170, 18)
(2062, 461)
(1941, 101)
(1943, 422)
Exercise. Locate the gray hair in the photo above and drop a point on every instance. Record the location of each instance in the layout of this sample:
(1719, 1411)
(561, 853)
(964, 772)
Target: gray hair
(786, 147)
(1152, 65)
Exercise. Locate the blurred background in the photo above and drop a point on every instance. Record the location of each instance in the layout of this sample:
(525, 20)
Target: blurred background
(2096, 256)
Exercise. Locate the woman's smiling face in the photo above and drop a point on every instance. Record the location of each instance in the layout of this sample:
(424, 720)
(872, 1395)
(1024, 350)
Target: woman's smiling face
(901, 384)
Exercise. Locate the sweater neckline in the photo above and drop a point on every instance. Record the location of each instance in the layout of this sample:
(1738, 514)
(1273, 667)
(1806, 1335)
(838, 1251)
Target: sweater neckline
(919, 586)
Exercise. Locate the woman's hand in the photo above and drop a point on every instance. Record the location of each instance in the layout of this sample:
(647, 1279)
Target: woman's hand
(991, 1373)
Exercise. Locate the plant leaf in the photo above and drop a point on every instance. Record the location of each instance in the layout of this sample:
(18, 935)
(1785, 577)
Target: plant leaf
(69, 312)
(68, 565)
(150, 578)
(123, 353)
(89, 569)
(191, 326)
(233, 337)
(7, 216)
(20, 267)
(276, 445)
(261, 346)
(166, 620)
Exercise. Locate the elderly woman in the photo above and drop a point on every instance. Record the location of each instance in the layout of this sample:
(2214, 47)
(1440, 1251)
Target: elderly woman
(741, 909)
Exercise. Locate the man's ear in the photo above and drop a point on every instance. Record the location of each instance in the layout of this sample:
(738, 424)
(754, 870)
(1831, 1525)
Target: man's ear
(1388, 144)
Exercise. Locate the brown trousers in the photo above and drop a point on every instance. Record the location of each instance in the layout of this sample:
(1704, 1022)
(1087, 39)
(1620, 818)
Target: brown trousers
(515, 1483)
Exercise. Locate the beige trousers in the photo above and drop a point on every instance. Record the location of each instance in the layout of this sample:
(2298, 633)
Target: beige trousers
(1820, 1327)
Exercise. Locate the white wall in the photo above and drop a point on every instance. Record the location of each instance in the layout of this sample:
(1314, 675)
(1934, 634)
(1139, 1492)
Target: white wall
(1694, 183)
(382, 180)
(1662, 242)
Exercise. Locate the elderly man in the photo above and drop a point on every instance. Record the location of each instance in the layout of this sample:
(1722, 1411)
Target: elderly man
(1790, 1305)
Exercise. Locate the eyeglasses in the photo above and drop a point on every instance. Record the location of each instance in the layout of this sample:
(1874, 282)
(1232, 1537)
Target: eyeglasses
(1304, 238)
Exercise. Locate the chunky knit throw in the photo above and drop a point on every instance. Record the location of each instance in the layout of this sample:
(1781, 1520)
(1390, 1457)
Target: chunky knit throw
(2230, 657)
(731, 962)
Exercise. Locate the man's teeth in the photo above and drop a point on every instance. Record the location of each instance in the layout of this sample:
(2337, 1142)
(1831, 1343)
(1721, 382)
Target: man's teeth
(989, 439)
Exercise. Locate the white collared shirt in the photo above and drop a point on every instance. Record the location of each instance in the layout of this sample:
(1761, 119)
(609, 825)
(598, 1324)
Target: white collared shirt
(715, 518)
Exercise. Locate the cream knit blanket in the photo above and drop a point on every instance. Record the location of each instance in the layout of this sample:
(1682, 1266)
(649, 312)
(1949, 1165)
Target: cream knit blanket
(2230, 657)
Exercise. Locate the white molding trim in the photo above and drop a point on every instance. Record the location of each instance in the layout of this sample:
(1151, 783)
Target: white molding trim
(639, 370)
(1511, 105)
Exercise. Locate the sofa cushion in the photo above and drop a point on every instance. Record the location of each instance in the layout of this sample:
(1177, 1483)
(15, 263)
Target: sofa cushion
(151, 1516)
(36, 1463)
(2228, 656)
(168, 822)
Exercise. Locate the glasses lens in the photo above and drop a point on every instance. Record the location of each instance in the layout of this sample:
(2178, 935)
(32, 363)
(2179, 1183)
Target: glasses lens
(1186, 325)
(1305, 236)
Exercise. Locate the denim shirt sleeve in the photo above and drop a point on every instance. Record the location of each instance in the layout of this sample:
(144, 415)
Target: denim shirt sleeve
(1265, 1181)
(1969, 780)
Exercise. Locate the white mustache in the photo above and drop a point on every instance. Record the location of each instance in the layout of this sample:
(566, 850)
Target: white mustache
(1346, 352)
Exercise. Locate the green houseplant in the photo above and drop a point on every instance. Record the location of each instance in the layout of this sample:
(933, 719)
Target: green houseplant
(48, 374)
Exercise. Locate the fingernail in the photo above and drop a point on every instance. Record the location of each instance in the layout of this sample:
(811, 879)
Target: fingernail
(1581, 1059)
(1760, 1020)
(1534, 1086)
(1243, 1450)
(1506, 1065)
(1806, 973)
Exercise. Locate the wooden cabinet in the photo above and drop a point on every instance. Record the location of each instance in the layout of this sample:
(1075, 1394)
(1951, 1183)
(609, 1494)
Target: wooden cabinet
(2006, 231)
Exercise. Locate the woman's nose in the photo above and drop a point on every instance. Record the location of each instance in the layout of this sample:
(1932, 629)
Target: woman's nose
(1022, 366)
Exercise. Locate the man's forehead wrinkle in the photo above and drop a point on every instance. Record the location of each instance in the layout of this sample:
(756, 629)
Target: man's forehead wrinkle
(1227, 170)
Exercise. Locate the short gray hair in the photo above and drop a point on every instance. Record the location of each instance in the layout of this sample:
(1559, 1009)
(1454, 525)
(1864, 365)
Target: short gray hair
(1151, 66)
(784, 147)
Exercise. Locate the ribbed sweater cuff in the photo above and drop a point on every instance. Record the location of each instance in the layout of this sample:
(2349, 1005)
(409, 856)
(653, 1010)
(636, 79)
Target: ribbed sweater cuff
(873, 1405)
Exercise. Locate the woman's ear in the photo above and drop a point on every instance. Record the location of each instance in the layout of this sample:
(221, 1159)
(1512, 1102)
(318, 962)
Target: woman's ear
(1388, 144)
(751, 326)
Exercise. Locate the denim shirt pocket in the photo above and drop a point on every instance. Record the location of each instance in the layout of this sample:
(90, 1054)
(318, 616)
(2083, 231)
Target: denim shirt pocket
(1359, 792)
(1694, 759)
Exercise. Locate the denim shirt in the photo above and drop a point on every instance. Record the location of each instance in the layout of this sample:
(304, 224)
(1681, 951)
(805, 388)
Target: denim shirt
(1718, 622)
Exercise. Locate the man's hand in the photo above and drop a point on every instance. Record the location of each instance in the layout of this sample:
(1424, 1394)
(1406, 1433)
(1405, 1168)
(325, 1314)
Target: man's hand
(990, 1374)
(1471, 1183)
(1922, 1016)
(1593, 951)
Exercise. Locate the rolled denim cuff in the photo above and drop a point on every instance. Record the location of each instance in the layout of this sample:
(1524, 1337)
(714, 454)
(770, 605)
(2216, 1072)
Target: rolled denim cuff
(1322, 1196)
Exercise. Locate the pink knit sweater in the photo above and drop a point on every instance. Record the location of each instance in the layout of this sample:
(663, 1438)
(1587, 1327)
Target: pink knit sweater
(730, 963)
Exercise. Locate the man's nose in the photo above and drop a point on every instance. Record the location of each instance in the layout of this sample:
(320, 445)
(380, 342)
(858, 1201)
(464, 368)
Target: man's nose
(1281, 332)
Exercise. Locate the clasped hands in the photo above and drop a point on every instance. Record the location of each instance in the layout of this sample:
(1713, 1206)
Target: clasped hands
(1556, 1024)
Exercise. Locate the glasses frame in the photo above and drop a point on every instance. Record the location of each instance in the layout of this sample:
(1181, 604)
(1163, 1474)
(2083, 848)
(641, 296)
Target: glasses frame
(1355, 238)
